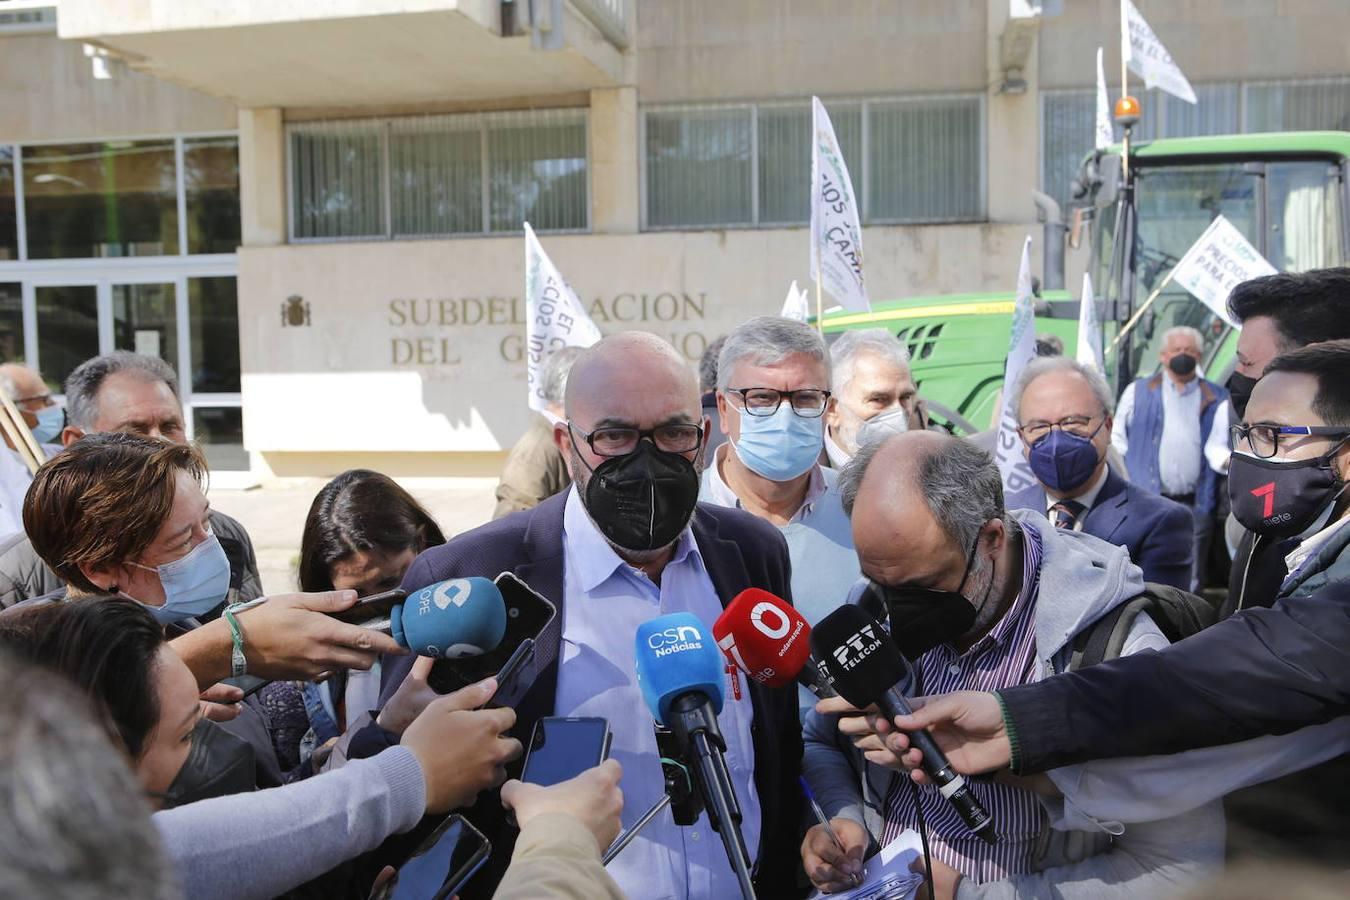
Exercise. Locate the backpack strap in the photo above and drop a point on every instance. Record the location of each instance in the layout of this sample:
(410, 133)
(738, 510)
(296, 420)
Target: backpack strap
(1105, 638)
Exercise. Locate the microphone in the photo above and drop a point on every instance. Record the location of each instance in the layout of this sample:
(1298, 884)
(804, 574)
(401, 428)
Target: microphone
(447, 620)
(769, 640)
(680, 673)
(864, 666)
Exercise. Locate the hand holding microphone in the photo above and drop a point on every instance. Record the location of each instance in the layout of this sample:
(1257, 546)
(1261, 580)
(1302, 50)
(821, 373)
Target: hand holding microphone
(448, 619)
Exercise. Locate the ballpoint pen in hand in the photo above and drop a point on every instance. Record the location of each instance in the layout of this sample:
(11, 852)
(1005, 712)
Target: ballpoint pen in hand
(820, 815)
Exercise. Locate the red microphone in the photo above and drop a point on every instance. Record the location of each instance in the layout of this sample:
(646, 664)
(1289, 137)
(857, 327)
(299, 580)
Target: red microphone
(769, 641)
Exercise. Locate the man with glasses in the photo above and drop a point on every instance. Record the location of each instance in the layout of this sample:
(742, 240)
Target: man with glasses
(628, 542)
(772, 393)
(1164, 421)
(1064, 419)
(42, 415)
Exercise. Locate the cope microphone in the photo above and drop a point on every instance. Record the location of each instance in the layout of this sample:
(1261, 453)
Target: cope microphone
(680, 672)
(864, 666)
(448, 619)
(769, 640)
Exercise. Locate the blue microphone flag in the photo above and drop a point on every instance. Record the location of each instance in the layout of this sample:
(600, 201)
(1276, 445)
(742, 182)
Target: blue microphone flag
(676, 654)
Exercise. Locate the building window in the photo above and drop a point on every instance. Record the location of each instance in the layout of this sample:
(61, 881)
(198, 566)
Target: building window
(910, 159)
(9, 219)
(439, 175)
(1318, 105)
(211, 185)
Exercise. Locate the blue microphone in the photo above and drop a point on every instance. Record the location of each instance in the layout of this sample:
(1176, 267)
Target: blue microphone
(680, 670)
(450, 619)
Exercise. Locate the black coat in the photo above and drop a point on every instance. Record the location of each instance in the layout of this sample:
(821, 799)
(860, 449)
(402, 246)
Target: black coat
(739, 551)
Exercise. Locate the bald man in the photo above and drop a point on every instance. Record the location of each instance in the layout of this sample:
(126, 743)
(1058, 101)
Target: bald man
(977, 595)
(628, 542)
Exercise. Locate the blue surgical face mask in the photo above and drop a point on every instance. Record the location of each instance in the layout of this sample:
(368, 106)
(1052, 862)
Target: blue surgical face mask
(193, 585)
(779, 447)
(1063, 461)
(50, 422)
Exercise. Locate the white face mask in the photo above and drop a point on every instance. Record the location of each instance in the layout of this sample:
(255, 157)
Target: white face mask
(882, 426)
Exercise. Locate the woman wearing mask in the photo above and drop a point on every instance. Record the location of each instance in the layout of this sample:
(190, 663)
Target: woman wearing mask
(362, 533)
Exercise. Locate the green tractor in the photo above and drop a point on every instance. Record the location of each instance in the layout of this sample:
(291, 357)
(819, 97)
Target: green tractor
(1287, 193)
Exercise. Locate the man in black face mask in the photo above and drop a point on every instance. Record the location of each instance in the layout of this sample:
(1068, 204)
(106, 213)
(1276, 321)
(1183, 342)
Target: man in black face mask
(628, 542)
(978, 595)
(1278, 313)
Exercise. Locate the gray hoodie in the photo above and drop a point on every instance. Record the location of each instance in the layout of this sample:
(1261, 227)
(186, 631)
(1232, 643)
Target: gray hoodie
(1081, 580)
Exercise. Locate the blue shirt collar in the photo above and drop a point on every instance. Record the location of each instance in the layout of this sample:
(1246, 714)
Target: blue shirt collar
(594, 559)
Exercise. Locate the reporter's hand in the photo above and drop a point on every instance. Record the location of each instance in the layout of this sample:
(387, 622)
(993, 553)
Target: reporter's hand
(967, 726)
(412, 697)
(292, 636)
(593, 797)
(220, 702)
(867, 729)
(828, 868)
(461, 748)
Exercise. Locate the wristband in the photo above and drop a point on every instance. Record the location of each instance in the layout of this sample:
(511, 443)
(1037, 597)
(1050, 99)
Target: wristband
(238, 662)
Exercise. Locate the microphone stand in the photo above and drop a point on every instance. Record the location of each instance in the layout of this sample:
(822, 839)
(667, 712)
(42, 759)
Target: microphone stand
(695, 725)
(679, 795)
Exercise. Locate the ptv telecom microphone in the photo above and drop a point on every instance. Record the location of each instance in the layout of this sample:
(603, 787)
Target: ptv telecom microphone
(768, 640)
(864, 667)
(448, 619)
(680, 673)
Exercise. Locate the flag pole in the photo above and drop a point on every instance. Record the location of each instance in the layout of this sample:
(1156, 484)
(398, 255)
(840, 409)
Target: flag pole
(1124, 88)
(1129, 326)
(820, 316)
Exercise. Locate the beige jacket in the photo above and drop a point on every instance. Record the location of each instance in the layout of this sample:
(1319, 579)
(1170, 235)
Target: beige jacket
(534, 471)
(556, 859)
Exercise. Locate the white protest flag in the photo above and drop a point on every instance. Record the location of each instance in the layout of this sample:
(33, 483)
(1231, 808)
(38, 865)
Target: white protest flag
(1218, 262)
(796, 306)
(1105, 135)
(554, 317)
(836, 236)
(1089, 329)
(1021, 490)
(1148, 58)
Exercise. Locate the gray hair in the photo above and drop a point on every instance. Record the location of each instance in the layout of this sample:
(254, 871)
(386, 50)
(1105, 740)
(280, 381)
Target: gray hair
(1192, 333)
(707, 364)
(1044, 365)
(766, 341)
(557, 367)
(83, 385)
(961, 485)
(844, 353)
(77, 826)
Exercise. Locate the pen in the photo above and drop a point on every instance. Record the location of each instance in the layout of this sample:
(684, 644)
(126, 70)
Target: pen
(820, 815)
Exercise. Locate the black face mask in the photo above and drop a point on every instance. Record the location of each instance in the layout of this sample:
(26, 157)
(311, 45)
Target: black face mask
(217, 765)
(1182, 365)
(922, 618)
(1280, 498)
(642, 501)
(1240, 391)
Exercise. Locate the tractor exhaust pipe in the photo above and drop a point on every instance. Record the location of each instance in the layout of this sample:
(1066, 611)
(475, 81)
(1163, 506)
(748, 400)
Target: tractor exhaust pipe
(1052, 243)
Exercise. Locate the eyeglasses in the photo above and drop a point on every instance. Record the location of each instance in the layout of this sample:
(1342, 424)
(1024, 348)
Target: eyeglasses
(42, 401)
(808, 403)
(1036, 429)
(623, 441)
(1264, 440)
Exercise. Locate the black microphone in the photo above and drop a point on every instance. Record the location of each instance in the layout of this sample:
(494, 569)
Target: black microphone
(863, 665)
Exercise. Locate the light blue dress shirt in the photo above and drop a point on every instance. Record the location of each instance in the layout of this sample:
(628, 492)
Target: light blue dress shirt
(1179, 450)
(605, 600)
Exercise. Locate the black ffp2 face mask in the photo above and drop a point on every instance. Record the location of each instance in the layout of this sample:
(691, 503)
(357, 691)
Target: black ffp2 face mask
(1182, 364)
(218, 764)
(643, 500)
(1279, 498)
(1240, 391)
(923, 618)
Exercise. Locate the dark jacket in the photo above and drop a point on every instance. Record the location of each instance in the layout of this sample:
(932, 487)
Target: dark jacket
(1262, 671)
(739, 551)
(1156, 531)
(1257, 573)
(1145, 437)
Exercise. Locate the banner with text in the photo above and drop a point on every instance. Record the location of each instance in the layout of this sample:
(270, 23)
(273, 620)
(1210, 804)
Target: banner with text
(1089, 351)
(836, 236)
(1148, 58)
(554, 317)
(1105, 136)
(1021, 490)
(1218, 262)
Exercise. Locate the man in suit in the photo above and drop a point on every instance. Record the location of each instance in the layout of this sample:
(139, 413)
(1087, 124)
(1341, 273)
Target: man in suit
(1064, 419)
(626, 543)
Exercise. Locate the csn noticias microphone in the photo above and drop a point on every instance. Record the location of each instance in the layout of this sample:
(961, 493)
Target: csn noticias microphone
(448, 619)
(768, 640)
(680, 672)
(864, 666)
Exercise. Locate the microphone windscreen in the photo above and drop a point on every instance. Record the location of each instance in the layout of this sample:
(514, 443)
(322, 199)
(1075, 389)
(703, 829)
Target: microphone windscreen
(449, 619)
(676, 655)
(858, 658)
(764, 637)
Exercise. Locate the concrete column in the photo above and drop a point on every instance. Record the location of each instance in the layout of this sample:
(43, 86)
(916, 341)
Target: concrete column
(615, 204)
(262, 177)
(1012, 144)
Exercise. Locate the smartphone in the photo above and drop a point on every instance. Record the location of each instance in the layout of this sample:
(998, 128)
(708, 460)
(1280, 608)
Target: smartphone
(249, 684)
(377, 607)
(441, 866)
(562, 747)
(529, 617)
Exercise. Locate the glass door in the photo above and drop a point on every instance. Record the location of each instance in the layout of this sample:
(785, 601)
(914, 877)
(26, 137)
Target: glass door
(67, 324)
(145, 320)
